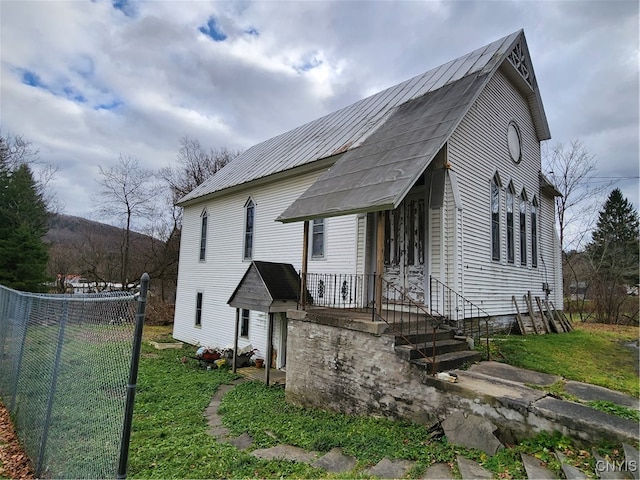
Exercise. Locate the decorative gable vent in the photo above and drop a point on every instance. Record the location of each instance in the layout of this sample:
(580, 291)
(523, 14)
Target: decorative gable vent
(520, 62)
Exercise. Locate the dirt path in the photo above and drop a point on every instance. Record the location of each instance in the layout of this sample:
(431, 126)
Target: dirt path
(14, 463)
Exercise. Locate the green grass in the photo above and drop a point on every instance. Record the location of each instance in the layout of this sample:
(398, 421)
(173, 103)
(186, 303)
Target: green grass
(170, 437)
(591, 354)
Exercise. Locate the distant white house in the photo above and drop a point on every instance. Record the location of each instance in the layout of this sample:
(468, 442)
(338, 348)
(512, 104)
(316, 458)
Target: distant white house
(435, 182)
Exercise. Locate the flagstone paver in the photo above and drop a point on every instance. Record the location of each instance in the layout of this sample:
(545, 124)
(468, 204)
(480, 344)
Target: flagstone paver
(335, 461)
(286, 452)
(387, 468)
(438, 471)
(470, 470)
(535, 469)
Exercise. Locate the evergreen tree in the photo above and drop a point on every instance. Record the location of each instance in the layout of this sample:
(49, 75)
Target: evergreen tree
(23, 224)
(614, 252)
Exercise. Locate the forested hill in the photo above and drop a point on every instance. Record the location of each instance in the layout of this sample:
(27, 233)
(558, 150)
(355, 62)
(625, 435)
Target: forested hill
(72, 231)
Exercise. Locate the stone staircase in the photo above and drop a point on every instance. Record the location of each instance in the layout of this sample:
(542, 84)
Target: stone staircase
(450, 352)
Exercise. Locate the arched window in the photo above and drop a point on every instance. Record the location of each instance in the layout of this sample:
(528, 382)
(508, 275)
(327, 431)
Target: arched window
(534, 232)
(203, 234)
(523, 228)
(249, 220)
(511, 246)
(495, 217)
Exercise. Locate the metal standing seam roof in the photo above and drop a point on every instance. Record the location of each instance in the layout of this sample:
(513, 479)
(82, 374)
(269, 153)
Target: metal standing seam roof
(348, 128)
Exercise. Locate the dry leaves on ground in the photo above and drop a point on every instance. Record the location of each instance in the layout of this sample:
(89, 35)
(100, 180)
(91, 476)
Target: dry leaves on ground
(14, 463)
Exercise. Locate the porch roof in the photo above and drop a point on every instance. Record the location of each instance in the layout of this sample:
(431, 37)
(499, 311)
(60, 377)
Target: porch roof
(267, 287)
(379, 174)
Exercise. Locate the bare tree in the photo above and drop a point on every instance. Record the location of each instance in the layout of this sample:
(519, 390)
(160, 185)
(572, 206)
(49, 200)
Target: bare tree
(195, 165)
(571, 169)
(126, 195)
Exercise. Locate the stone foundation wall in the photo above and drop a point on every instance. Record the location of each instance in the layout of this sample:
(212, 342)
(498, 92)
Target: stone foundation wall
(353, 369)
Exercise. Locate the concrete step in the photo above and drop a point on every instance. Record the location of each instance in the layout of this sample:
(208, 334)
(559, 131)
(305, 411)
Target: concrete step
(411, 352)
(421, 337)
(449, 361)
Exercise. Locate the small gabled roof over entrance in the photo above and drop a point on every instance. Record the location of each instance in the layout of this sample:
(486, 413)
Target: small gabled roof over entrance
(267, 287)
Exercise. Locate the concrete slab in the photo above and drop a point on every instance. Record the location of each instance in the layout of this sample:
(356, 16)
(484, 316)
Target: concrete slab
(486, 386)
(438, 471)
(335, 461)
(471, 431)
(386, 468)
(535, 468)
(286, 452)
(632, 458)
(470, 470)
(242, 442)
(590, 393)
(590, 422)
(608, 471)
(520, 375)
(570, 472)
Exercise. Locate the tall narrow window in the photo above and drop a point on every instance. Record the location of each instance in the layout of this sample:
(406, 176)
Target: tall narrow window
(534, 232)
(203, 235)
(249, 218)
(244, 325)
(198, 322)
(317, 242)
(523, 228)
(511, 247)
(495, 218)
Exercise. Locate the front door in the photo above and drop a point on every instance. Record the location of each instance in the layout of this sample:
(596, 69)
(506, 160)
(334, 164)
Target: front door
(404, 249)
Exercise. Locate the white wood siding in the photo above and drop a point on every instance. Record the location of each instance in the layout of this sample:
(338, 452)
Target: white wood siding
(476, 151)
(218, 276)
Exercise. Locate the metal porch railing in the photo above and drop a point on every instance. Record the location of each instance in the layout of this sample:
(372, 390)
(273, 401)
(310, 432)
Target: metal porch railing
(462, 314)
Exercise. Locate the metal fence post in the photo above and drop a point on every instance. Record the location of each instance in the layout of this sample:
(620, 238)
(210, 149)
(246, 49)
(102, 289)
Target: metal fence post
(26, 303)
(133, 376)
(52, 389)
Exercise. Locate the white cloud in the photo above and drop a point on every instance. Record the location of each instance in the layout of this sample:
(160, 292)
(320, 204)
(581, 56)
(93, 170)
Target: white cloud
(143, 81)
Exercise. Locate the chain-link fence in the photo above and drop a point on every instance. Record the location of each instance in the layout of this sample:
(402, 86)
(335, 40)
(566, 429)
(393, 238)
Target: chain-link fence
(64, 366)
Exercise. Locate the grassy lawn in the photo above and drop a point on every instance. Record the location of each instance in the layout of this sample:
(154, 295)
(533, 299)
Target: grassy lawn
(170, 437)
(592, 353)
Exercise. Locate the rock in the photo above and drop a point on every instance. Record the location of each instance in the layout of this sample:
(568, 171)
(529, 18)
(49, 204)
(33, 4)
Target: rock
(471, 470)
(335, 461)
(472, 431)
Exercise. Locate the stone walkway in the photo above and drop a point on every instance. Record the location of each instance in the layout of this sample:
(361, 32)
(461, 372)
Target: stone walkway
(465, 429)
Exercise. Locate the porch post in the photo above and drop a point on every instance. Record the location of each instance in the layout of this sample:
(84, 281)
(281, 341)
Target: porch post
(305, 259)
(235, 340)
(379, 260)
(267, 367)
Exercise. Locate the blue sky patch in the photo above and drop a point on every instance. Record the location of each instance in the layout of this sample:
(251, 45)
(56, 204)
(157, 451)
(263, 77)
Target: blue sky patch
(125, 6)
(109, 106)
(32, 79)
(72, 94)
(213, 30)
(252, 31)
(308, 64)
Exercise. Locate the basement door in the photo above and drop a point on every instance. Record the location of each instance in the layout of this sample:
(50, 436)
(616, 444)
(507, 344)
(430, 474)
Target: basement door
(404, 249)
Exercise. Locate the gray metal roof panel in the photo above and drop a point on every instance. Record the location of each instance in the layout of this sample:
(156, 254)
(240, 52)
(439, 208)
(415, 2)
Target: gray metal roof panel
(350, 127)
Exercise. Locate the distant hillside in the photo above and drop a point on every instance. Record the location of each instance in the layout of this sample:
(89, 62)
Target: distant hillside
(67, 230)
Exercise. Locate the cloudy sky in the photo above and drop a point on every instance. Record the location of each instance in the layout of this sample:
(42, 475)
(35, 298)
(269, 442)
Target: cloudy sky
(88, 81)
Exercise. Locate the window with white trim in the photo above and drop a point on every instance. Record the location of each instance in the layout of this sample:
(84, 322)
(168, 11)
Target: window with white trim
(249, 221)
(198, 321)
(318, 238)
(511, 246)
(203, 234)
(244, 324)
(523, 228)
(534, 232)
(495, 217)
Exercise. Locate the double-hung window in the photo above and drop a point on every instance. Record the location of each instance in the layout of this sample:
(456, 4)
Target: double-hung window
(511, 247)
(495, 218)
(203, 235)
(534, 232)
(249, 219)
(198, 321)
(318, 238)
(523, 228)
(244, 324)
